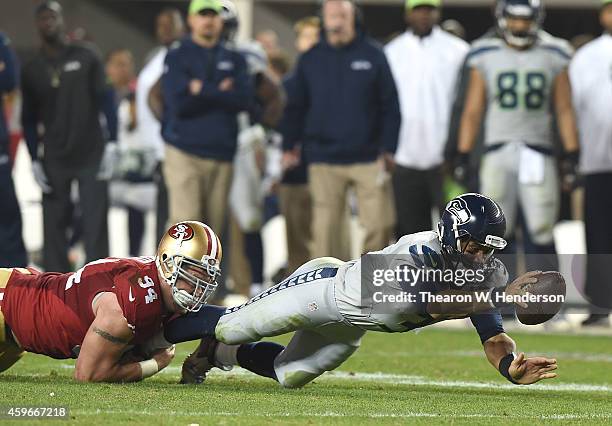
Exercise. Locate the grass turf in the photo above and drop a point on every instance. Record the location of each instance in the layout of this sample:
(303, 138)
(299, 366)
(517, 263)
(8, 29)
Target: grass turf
(436, 376)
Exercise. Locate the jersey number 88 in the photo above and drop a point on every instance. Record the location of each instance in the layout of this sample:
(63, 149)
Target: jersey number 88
(508, 83)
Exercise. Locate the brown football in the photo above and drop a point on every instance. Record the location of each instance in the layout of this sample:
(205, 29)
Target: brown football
(550, 283)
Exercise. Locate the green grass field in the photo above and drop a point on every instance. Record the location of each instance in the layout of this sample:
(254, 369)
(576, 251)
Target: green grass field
(436, 376)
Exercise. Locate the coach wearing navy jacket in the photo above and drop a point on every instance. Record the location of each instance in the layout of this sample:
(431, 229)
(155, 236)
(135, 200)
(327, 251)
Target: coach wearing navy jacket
(204, 86)
(343, 107)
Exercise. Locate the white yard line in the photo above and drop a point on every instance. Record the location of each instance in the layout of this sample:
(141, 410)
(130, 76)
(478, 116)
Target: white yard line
(579, 356)
(403, 379)
(410, 414)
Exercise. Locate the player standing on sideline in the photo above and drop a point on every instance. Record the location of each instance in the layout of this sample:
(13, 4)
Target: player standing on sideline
(97, 313)
(12, 250)
(591, 77)
(248, 191)
(330, 305)
(64, 93)
(515, 79)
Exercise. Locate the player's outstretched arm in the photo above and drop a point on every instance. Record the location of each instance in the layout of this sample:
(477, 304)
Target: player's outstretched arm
(104, 344)
(518, 369)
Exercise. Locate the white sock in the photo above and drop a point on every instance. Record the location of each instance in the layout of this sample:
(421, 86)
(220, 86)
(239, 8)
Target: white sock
(226, 354)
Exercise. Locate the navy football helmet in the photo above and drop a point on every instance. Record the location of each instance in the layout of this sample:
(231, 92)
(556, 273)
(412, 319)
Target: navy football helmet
(471, 217)
(532, 10)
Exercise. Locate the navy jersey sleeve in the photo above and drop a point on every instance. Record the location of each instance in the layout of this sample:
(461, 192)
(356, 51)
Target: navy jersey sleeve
(292, 123)
(487, 324)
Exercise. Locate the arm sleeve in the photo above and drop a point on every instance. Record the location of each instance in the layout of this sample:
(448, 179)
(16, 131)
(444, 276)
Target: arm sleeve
(487, 324)
(390, 116)
(109, 108)
(9, 71)
(105, 95)
(29, 117)
(292, 123)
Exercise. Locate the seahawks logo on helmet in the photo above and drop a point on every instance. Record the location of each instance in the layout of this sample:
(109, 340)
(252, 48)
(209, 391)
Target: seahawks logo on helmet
(460, 210)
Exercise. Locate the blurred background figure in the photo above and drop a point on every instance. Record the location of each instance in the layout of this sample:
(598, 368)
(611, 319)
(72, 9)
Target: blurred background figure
(454, 27)
(248, 188)
(294, 195)
(343, 106)
(268, 39)
(132, 186)
(527, 69)
(65, 92)
(591, 77)
(425, 62)
(12, 249)
(205, 85)
(169, 27)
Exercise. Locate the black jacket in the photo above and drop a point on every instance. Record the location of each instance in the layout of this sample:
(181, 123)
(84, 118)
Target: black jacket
(342, 104)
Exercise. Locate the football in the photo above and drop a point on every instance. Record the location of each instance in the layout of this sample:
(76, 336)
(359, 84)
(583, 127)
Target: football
(550, 295)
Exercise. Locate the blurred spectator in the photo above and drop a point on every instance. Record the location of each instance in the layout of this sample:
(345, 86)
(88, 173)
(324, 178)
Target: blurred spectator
(64, 92)
(425, 62)
(343, 105)
(308, 31)
(249, 187)
(169, 27)
(204, 85)
(12, 250)
(591, 77)
(269, 41)
(516, 79)
(454, 27)
(279, 65)
(132, 185)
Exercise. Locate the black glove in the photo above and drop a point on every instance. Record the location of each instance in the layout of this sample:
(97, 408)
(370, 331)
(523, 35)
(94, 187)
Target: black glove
(570, 178)
(461, 168)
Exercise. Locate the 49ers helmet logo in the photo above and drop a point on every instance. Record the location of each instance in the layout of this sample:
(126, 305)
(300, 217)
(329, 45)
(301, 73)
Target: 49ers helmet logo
(181, 232)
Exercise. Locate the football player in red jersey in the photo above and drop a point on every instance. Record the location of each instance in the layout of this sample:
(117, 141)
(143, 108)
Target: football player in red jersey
(100, 312)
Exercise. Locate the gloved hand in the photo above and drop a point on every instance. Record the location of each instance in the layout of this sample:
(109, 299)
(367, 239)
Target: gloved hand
(41, 177)
(461, 168)
(109, 161)
(570, 178)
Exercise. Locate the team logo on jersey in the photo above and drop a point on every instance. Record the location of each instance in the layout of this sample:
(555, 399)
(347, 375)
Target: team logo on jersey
(72, 66)
(362, 65)
(458, 208)
(181, 232)
(225, 66)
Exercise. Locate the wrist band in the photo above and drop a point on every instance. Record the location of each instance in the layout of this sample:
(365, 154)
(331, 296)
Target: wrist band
(504, 367)
(148, 367)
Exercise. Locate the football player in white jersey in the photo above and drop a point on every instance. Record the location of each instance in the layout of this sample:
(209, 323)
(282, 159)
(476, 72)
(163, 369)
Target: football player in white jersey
(515, 82)
(330, 304)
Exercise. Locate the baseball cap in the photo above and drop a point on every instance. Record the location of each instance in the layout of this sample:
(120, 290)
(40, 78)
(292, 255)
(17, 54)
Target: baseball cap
(48, 5)
(411, 4)
(196, 6)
